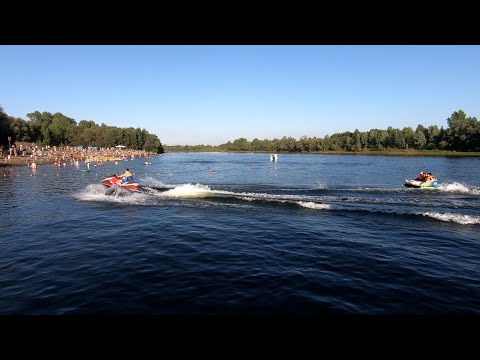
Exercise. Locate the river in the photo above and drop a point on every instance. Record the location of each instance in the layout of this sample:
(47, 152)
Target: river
(228, 233)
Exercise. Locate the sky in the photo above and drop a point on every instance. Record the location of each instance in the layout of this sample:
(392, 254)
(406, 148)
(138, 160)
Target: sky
(190, 95)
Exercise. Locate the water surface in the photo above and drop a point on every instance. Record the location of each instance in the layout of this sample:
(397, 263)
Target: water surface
(218, 233)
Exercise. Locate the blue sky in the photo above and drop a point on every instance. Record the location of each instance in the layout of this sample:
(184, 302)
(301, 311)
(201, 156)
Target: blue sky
(189, 95)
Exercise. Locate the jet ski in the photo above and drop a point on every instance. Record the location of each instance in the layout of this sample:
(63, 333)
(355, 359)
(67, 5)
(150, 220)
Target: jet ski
(111, 182)
(421, 184)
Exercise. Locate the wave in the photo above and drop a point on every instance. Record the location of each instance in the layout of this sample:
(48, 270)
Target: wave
(456, 218)
(185, 190)
(459, 188)
(313, 205)
(386, 205)
(454, 188)
(447, 217)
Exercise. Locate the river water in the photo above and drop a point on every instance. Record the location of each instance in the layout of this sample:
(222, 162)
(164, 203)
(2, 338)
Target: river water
(227, 233)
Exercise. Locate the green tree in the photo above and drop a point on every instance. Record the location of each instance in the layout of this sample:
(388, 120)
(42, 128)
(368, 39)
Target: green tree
(389, 141)
(47, 137)
(241, 144)
(152, 143)
(409, 136)
(420, 139)
(457, 124)
(41, 121)
(433, 138)
(85, 124)
(20, 130)
(357, 137)
(4, 128)
(58, 128)
(376, 139)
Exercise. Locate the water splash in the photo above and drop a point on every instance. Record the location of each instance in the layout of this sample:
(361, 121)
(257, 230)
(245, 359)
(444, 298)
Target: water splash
(320, 186)
(188, 191)
(96, 192)
(459, 188)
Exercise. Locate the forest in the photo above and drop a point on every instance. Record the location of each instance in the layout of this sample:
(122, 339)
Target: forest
(462, 134)
(45, 128)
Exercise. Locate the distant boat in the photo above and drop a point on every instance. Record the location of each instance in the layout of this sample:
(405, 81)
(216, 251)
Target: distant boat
(273, 157)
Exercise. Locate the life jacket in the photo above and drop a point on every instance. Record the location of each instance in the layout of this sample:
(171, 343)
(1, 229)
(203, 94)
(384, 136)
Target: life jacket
(127, 176)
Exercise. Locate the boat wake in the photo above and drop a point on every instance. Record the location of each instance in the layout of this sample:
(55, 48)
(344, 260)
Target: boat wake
(437, 205)
(447, 217)
(459, 188)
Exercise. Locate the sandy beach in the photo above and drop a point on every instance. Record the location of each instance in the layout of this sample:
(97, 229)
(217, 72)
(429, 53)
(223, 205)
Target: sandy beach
(22, 160)
(70, 154)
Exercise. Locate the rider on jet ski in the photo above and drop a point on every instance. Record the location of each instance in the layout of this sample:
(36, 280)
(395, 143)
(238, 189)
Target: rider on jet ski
(125, 177)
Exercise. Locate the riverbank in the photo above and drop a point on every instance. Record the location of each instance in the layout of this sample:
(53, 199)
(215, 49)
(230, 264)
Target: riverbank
(396, 152)
(69, 155)
(402, 153)
(22, 160)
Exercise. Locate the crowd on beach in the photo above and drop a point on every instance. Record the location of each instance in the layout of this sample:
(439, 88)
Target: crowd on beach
(61, 155)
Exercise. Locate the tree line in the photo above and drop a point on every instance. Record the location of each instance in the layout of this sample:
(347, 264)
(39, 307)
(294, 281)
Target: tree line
(462, 134)
(57, 129)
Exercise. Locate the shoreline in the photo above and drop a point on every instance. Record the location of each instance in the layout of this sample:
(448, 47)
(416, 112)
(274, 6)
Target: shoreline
(367, 153)
(20, 160)
(68, 154)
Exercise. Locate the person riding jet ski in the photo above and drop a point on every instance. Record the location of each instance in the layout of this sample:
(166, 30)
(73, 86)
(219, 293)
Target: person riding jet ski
(125, 177)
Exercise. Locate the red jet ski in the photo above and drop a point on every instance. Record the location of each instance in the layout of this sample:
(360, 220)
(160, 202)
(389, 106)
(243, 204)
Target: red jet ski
(112, 182)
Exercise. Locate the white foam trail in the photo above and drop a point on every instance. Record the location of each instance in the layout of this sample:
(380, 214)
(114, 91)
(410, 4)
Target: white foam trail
(456, 218)
(188, 191)
(92, 192)
(96, 192)
(246, 198)
(459, 188)
(447, 217)
(313, 205)
(267, 197)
